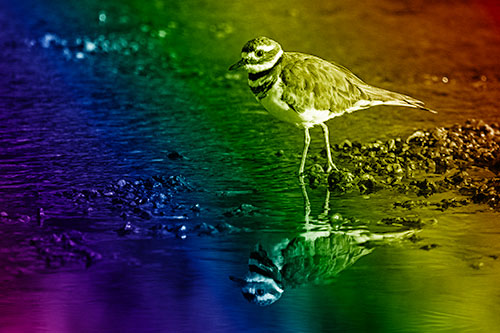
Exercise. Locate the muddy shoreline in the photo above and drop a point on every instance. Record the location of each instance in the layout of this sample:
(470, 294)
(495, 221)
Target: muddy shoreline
(462, 160)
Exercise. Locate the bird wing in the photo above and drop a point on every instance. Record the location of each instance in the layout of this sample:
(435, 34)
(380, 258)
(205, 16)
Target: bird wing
(313, 83)
(321, 260)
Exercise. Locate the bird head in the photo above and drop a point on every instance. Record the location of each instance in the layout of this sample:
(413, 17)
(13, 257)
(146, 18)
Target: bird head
(258, 289)
(258, 55)
(263, 285)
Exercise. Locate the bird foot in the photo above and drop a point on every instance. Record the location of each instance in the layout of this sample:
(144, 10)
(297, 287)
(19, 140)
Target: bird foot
(331, 167)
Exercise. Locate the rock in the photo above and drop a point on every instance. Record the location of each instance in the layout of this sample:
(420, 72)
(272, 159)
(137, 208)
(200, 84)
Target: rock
(205, 229)
(341, 180)
(126, 229)
(122, 183)
(425, 187)
(346, 145)
(180, 231)
(242, 210)
(144, 198)
(367, 184)
(226, 227)
(429, 247)
(175, 156)
(195, 208)
(60, 249)
(409, 222)
(316, 175)
(416, 136)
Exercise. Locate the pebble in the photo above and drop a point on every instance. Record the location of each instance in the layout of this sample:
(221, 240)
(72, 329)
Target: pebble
(126, 229)
(242, 210)
(175, 156)
(429, 247)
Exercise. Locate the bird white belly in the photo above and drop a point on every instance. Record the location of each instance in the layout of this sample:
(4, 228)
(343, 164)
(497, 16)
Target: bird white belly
(276, 107)
(306, 117)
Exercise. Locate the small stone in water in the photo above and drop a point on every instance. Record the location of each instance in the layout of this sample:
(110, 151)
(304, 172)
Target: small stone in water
(122, 182)
(174, 156)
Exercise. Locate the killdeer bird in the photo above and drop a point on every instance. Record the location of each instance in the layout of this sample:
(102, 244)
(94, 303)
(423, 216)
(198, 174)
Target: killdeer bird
(306, 90)
(315, 257)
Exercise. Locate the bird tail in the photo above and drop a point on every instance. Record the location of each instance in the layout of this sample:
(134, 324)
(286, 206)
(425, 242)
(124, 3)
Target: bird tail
(378, 96)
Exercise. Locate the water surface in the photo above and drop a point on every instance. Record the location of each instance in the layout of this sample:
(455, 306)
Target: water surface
(95, 93)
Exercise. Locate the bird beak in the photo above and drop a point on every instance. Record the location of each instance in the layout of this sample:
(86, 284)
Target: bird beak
(239, 282)
(237, 65)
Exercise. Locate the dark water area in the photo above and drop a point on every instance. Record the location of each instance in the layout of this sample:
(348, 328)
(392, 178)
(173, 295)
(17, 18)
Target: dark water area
(137, 174)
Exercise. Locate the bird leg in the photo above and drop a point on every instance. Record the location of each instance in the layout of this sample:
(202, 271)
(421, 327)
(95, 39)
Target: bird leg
(307, 141)
(307, 204)
(328, 153)
(326, 207)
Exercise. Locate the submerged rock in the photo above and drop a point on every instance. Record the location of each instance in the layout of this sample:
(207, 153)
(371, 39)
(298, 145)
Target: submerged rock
(60, 249)
(127, 229)
(242, 210)
(175, 156)
(200, 229)
(429, 247)
(139, 198)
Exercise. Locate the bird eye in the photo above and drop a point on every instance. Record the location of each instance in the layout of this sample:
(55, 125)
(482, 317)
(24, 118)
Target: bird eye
(260, 292)
(259, 53)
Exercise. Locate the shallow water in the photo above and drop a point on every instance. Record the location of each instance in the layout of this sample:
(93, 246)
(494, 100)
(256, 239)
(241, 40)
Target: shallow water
(96, 93)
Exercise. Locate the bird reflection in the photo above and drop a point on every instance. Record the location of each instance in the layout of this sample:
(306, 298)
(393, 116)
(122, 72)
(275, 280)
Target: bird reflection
(315, 256)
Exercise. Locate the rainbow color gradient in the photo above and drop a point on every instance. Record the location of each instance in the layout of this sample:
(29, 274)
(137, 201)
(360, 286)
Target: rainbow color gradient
(137, 174)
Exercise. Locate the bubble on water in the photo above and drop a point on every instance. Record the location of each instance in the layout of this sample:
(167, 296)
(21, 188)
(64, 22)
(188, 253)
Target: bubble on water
(134, 46)
(89, 46)
(444, 79)
(105, 45)
(102, 17)
(29, 42)
(484, 78)
(123, 42)
(47, 40)
(67, 53)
